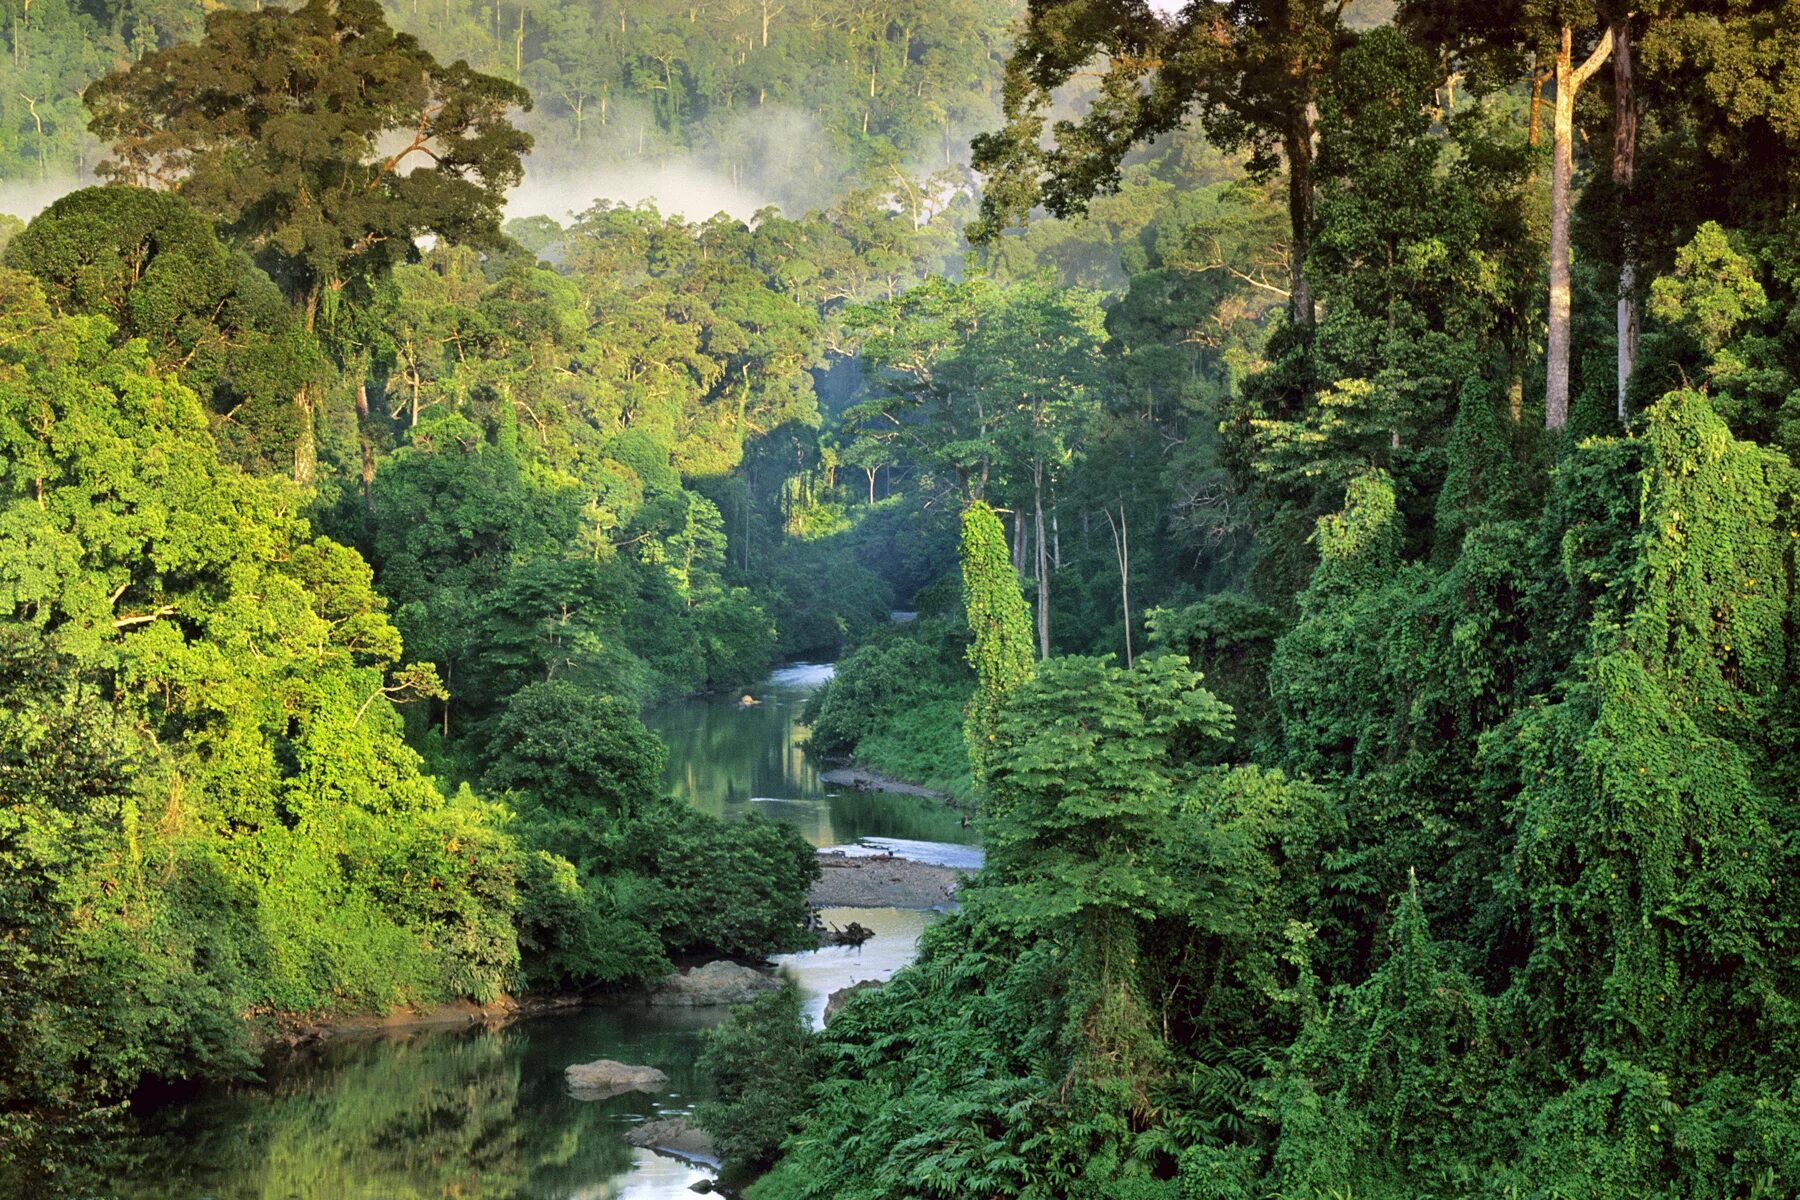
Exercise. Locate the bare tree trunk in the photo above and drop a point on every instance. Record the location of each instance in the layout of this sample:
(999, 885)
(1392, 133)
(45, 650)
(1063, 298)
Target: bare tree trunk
(1569, 79)
(1018, 546)
(306, 454)
(1121, 535)
(368, 447)
(1055, 541)
(305, 451)
(1043, 564)
(1299, 150)
(1625, 126)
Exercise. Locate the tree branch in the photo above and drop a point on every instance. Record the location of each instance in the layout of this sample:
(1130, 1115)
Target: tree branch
(1594, 60)
(167, 610)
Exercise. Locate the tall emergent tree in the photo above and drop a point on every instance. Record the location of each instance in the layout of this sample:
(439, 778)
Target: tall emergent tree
(324, 140)
(1252, 69)
(1555, 32)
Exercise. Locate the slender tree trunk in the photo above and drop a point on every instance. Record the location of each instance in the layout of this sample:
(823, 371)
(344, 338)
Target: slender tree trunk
(305, 451)
(1569, 79)
(1043, 564)
(1625, 125)
(368, 446)
(306, 454)
(1298, 145)
(1121, 535)
(1018, 546)
(1055, 541)
(1535, 122)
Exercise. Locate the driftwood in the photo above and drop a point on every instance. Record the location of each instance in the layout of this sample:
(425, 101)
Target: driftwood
(853, 934)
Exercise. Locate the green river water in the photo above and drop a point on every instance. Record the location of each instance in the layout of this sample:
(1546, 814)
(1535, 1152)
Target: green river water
(436, 1114)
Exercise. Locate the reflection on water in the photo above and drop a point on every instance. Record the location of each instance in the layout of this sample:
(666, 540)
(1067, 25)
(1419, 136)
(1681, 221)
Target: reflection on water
(729, 758)
(476, 1115)
(479, 1116)
(823, 971)
(483, 1114)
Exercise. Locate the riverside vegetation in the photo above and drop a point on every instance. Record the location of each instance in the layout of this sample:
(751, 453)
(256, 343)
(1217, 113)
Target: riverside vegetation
(1372, 667)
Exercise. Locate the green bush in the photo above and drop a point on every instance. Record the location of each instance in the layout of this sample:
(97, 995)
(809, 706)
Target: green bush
(736, 887)
(762, 1063)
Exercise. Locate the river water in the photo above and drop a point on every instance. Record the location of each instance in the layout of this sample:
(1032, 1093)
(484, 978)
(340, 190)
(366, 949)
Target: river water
(483, 1114)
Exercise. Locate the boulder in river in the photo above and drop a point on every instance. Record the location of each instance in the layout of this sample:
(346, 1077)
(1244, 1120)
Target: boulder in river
(673, 1135)
(721, 982)
(604, 1077)
(835, 1002)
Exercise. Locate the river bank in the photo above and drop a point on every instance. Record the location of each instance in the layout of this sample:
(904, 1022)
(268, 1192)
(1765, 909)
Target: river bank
(291, 1033)
(871, 881)
(471, 1099)
(862, 779)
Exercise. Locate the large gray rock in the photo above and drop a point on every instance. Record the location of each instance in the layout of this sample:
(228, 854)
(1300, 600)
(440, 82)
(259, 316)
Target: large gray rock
(836, 1001)
(604, 1077)
(673, 1135)
(721, 982)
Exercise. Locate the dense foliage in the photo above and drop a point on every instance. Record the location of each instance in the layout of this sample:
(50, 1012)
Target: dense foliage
(1374, 667)
(762, 1062)
(784, 102)
(1467, 871)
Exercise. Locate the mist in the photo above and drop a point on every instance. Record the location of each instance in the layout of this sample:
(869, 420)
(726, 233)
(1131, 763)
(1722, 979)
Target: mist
(737, 163)
(26, 198)
(747, 161)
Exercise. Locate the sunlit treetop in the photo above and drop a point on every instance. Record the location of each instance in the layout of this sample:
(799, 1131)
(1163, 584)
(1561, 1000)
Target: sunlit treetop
(324, 139)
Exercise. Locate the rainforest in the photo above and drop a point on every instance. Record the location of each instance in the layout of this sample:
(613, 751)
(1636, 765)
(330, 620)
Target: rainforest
(1296, 497)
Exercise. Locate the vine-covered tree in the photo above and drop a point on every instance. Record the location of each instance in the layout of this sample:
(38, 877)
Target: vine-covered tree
(1001, 652)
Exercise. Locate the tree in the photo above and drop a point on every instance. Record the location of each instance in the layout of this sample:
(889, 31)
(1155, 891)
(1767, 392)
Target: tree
(585, 762)
(1001, 653)
(280, 122)
(761, 1063)
(277, 121)
(1092, 765)
(1252, 69)
(153, 266)
(1553, 31)
(926, 401)
(67, 800)
(1569, 78)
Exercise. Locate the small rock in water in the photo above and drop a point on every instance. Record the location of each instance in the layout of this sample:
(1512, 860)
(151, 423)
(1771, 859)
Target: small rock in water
(721, 982)
(603, 1078)
(673, 1135)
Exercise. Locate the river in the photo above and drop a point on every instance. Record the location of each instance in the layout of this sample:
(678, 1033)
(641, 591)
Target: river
(483, 1114)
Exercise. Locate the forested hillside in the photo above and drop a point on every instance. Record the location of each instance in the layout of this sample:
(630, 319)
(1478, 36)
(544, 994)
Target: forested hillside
(1338, 455)
(787, 102)
(1426, 827)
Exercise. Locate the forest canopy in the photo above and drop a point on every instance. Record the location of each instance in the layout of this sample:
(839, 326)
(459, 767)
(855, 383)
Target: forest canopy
(1315, 480)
